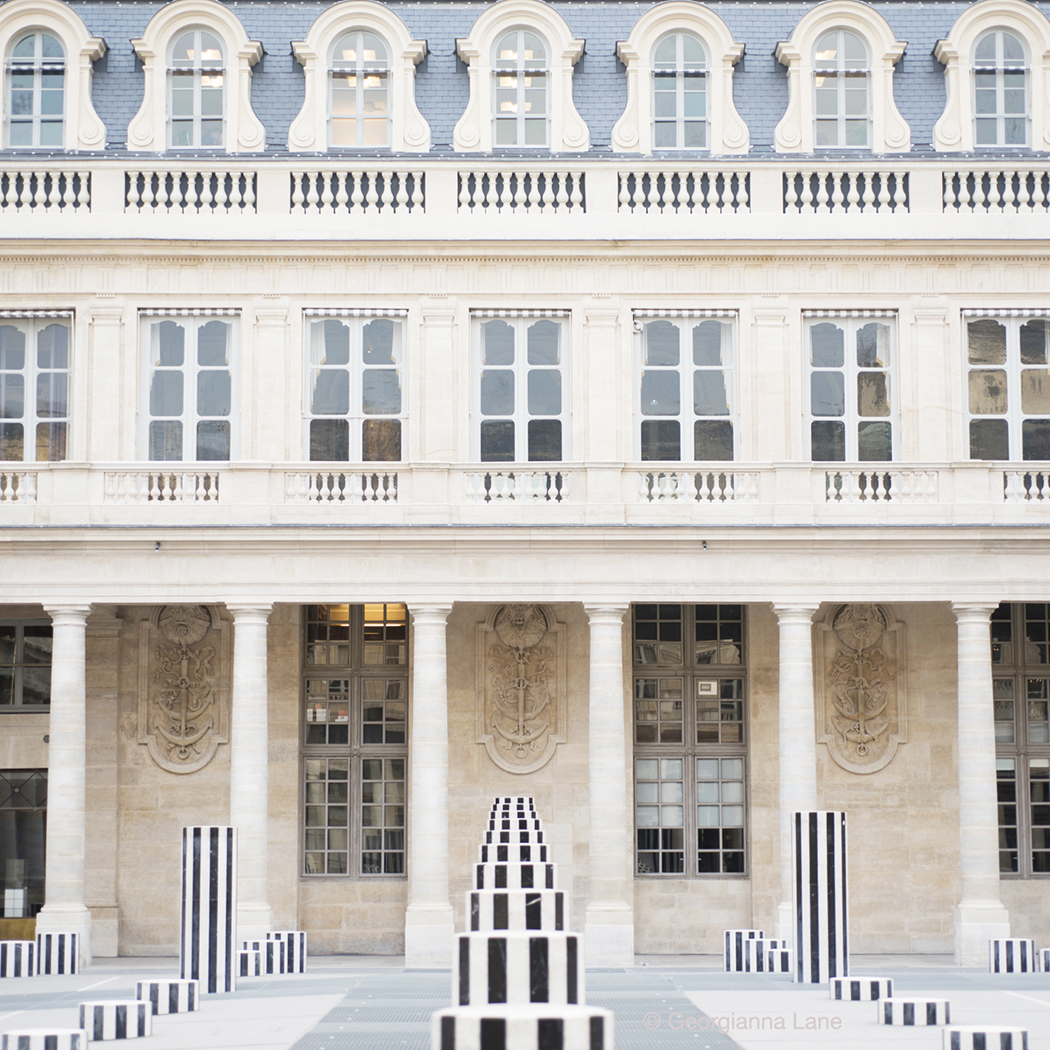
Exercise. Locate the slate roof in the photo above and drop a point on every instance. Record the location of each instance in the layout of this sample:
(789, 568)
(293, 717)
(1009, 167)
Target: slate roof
(599, 84)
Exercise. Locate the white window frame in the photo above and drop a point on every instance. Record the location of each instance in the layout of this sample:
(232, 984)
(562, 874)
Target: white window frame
(35, 66)
(682, 78)
(851, 321)
(32, 322)
(841, 75)
(525, 70)
(356, 321)
(192, 321)
(686, 369)
(361, 69)
(520, 321)
(199, 70)
(999, 70)
(19, 664)
(1014, 416)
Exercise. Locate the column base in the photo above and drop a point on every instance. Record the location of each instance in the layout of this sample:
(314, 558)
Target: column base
(428, 938)
(975, 925)
(608, 937)
(254, 922)
(72, 918)
(784, 924)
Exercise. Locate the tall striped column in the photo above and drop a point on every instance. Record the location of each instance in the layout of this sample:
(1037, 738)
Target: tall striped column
(821, 918)
(209, 907)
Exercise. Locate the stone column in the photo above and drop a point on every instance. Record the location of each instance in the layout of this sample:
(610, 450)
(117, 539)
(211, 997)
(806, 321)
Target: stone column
(428, 919)
(609, 921)
(798, 740)
(64, 907)
(249, 769)
(980, 914)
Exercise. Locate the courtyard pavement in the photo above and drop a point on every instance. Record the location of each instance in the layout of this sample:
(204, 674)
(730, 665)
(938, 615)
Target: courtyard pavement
(661, 1003)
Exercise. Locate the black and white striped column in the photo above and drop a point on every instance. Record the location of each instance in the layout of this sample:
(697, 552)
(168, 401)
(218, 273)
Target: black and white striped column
(1012, 955)
(984, 1037)
(521, 1028)
(914, 1012)
(531, 910)
(44, 1039)
(860, 989)
(294, 948)
(734, 948)
(57, 952)
(169, 995)
(17, 959)
(116, 1019)
(518, 967)
(209, 907)
(820, 916)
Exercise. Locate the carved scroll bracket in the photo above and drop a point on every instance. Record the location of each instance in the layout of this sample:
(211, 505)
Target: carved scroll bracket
(860, 683)
(520, 706)
(183, 701)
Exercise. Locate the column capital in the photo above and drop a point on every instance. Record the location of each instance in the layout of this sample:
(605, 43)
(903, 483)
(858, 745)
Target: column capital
(606, 612)
(430, 613)
(250, 612)
(795, 611)
(974, 611)
(68, 614)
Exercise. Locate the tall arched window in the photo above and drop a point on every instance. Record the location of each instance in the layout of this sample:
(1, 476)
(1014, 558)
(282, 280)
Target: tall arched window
(841, 91)
(36, 78)
(359, 99)
(680, 93)
(1000, 90)
(196, 90)
(520, 93)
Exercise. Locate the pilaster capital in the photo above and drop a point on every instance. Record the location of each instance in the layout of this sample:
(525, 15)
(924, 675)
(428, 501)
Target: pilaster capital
(250, 612)
(432, 615)
(606, 613)
(974, 612)
(795, 612)
(68, 615)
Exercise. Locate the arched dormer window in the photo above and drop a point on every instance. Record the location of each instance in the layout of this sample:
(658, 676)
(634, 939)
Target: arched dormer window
(519, 90)
(680, 58)
(197, 66)
(679, 93)
(196, 91)
(996, 65)
(840, 61)
(47, 55)
(36, 91)
(359, 62)
(511, 88)
(841, 91)
(358, 101)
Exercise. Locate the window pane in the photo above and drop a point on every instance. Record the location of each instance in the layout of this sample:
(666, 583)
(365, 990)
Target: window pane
(828, 441)
(213, 392)
(661, 439)
(544, 440)
(661, 343)
(497, 441)
(331, 392)
(213, 439)
(381, 441)
(986, 342)
(827, 394)
(1035, 391)
(381, 391)
(544, 392)
(543, 337)
(497, 338)
(661, 394)
(874, 442)
(1035, 439)
(329, 439)
(988, 439)
(497, 392)
(712, 439)
(707, 343)
(165, 440)
(709, 393)
(827, 345)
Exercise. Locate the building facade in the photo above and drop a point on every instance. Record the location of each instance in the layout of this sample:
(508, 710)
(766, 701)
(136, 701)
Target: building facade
(642, 407)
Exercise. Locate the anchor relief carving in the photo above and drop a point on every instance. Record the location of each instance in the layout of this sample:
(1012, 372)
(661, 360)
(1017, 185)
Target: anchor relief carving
(864, 716)
(181, 712)
(521, 703)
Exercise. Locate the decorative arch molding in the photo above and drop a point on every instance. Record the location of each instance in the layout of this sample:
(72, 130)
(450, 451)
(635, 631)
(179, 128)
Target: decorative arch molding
(82, 130)
(520, 687)
(860, 684)
(889, 131)
(408, 130)
(953, 132)
(244, 131)
(633, 131)
(473, 132)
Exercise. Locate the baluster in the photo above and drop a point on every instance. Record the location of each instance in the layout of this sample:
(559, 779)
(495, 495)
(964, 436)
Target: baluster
(700, 490)
(1024, 199)
(1008, 191)
(668, 486)
(644, 485)
(161, 196)
(418, 200)
(9, 488)
(364, 488)
(11, 197)
(727, 483)
(122, 488)
(743, 199)
(502, 181)
(790, 193)
(965, 198)
(386, 198)
(149, 196)
(852, 180)
(837, 196)
(327, 196)
(54, 196)
(994, 197)
(206, 486)
(236, 198)
(663, 184)
(518, 492)
(465, 203)
(949, 197)
(978, 189)
(109, 488)
(576, 197)
(1038, 196)
(291, 489)
(313, 196)
(372, 195)
(900, 198)
(626, 199)
(142, 484)
(533, 196)
(40, 194)
(221, 196)
(402, 190)
(884, 190)
(207, 196)
(355, 180)
(882, 492)
(341, 194)
(176, 196)
(472, 486)
(1013, 491)
(487, 191)
(298, 197)
(192, 198)
(132, 199)
(566, 487)
(830, 494)
(249, 190)
(26, 198)
(314, 493)
(822, 192)
(700, 194)
(562, 196)
(520, 196)
(807, 191)
(548, 191)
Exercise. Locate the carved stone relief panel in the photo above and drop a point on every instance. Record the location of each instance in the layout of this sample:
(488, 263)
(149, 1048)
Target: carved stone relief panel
(860, 680)
(183, 685)
(520, 694)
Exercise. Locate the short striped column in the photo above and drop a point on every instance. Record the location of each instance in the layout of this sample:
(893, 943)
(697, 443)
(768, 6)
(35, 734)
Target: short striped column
(169, 995)
(514, 877)
(44, 1039)
(819, 913)
(1012, 955)
(17, 958)
(271, 953)
(58, 952)
(984, 1037)
(860, 989)
(734, 951)
(528, 910)
(209, 907)
(517, 967)
(1044, 960)
(250, 963)
(294, 942)
(780, 960)
(519, 853)
(116, 1019)
(521, 1028)
(913, 1012)
(756, 950)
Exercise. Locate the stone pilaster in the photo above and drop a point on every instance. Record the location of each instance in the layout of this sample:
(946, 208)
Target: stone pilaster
(249, 768)
(428, 918)
(798, 740)
(609, 921)
(979, 915)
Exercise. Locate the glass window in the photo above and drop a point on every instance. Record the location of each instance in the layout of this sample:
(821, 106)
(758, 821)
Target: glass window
(355, 739)
(359, 86)
(690, 747)
(190, 389)
(197, 91)
(1021, 704)
(850, 370)
(36, 92)
(841, 91)
(355, 405)
(680, 93)
(520, 73)
(521, 396)
(25, 665)
(34, 389)
(1000, 90)
(1008, 387)
(686, 408)
(23, 833)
